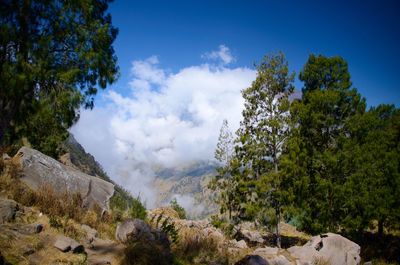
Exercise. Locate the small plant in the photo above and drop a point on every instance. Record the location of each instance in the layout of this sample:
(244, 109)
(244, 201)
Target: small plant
(55, 222)
(179, 209)
(167, 226)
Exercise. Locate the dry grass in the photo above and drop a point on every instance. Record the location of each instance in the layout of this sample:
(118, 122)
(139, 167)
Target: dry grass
(320, 261)
(63, 209)
(194, 247)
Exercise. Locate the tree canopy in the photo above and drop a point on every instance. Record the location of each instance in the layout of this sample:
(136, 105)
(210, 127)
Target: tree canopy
(54, 55)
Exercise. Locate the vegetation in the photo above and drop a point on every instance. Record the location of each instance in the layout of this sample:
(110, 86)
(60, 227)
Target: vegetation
(322, 162)
(179, 209)
(54, 57)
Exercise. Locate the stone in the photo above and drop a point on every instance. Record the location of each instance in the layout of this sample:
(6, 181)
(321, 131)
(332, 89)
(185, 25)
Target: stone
(330, 247)
(266, 251)
(252, 260)
(252, 237)
(279, 260)
(66, 244)
(38, 170)
(30, 229)
(8, 210)
(63, 244)
(91, 233)
(133, 229)
(241, 244)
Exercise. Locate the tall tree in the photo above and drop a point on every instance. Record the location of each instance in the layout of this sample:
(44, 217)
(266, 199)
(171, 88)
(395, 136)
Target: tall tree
(261, 136)
(224, 182)
(314, 156)
(54, 55)
(372, 165)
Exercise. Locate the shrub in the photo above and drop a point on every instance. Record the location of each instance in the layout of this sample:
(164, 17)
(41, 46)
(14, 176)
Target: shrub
(147, 252)
(179, 209)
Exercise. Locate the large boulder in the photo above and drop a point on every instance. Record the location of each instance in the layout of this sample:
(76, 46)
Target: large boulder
(133, 230)
(8, 210)
(331, 248)
(38, 169)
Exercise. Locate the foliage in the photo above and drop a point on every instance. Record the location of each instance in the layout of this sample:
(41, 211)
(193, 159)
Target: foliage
(261, 136)
(372, 161)
(54, 57)
(314, 158)
(166, 225)
(224, 182)
(179, 209)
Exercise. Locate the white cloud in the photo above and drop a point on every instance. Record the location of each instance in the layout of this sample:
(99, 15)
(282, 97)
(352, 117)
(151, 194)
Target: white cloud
(223, 54)
(170, 120)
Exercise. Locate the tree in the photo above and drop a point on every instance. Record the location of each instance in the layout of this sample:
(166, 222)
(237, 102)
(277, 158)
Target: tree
(314, 156)
(261, 136)
(224, 182)
(372, 165)
(54, 55)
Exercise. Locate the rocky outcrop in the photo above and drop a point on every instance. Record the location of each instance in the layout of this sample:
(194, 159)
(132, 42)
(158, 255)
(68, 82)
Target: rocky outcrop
(8, 210)
(38, 170)
(331, 248)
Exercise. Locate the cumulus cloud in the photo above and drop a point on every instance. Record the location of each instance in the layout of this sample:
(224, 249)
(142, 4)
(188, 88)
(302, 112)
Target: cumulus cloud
(170, 120)
(223, 54)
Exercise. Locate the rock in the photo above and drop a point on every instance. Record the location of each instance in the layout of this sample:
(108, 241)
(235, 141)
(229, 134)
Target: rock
(241, 244)
(91, 233)
(30, 229)
(332, 248)
(253, 237)
(133, 229)
(63, 244)
(66, 244)
(8, 210)
(266, 251)
(252, 260)
(39, 169)
(279, 260)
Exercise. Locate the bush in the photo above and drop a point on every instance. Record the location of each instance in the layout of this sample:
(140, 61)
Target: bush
(147, 252)
(179, 209)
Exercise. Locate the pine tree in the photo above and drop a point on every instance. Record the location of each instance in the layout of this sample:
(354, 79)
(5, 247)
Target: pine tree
(314, 159)
(54, 55)
(261, 137)
(224, 182)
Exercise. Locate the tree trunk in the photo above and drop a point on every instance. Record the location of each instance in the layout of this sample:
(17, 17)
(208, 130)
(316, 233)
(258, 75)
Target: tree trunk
(380, 227)
(278, 232)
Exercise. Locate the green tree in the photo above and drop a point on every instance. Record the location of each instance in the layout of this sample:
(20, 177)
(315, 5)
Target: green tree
(54, 55)
(224, 182)
(263, 132)
(314, 156)
(372, 165)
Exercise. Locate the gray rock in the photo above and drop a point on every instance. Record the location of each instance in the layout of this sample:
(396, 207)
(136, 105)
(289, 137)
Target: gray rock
(63, 244)
(8, 210)
(332, 248)
(252, 260)
(132, 230)
(39, 169)
(66, 244)
(29, 229)
(91, 233)
(279, 260)
(266, 251)
(253, 237)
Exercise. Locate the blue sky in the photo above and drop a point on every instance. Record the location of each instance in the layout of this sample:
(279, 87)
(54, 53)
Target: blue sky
(183, 65)
(365, 33)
